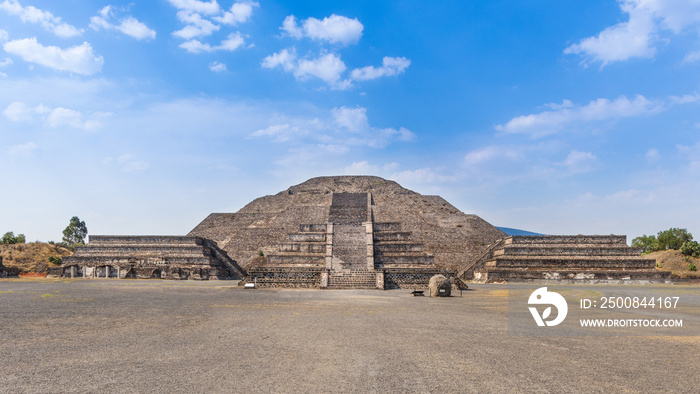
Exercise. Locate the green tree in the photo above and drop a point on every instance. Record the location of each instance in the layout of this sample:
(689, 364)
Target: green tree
(8, 238)
(691, 248)
(648, 243)
(75, 233)
(673, 238)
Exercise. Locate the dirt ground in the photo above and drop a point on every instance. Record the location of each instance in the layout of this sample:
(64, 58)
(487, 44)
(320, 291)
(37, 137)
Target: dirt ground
(167, 336)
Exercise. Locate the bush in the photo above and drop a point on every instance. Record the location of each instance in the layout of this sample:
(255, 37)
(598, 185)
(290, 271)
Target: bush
(692, 267)
(260, 253)
(55, 260)
(691, 248)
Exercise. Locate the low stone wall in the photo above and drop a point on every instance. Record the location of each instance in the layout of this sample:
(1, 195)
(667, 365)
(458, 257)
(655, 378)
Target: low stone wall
(297, 277)
(571, 276)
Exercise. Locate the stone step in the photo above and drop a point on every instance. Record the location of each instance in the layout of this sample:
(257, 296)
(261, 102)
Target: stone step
(567, 239)
(387, 226)
(352, 279)
(140, 249)
(571, 262)
(303, 247)
(297, 259)
(95, 240)
(392, 236)
(567, 250)
(132, 259)
(392, 260)
(312, 228)
(307, 237)
(396, 247)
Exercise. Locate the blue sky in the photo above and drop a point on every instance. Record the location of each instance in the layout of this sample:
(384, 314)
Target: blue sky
(560, 117)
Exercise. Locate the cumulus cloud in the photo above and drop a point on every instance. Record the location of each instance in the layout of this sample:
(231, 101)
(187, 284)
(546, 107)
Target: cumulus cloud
(390, 66)
(548, 122)
(239, 13)
(328, 67)
(202, 19)
(4, 35)
(335, 29)
(217, 67)
(77, 59)
(233, 42)
(47, 20)
(52, 117)
(128, 25)
(638, 36)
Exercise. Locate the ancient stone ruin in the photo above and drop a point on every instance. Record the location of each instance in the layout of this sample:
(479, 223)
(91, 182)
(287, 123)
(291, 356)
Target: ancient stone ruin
(355, 232)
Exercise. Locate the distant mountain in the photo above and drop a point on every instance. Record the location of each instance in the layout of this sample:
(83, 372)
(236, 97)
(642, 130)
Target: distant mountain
(515, 231)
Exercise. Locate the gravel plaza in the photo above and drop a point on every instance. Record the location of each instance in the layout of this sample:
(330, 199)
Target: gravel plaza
(188, 336)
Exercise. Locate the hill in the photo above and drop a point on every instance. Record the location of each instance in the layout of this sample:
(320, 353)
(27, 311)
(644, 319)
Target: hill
(31, 257)
(676, 262)
(514, 231)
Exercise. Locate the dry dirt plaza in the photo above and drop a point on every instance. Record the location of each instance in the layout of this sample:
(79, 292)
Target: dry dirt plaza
(187, 336)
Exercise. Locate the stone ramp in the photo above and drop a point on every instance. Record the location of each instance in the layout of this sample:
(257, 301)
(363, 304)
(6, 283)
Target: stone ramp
(349, 246)
(348, 213)
(352, 279)
(348, 208)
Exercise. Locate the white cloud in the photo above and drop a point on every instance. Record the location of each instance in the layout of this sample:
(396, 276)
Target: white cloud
(5, 63)
(78, 59)
(203, 7)
(128, 25)
(203, 19)
(285, 58)
(343, 128)
(217, 67)
(290, 26)
(23, 149)
(47, 20)
(637, 36)
(652, 155)
(239, 13)
(52, 117)
(549, 122)
(328, 67)
(233, 42)
(335, 29)
(4, 35)
(492, 152)
(196, 26)
(390, 66)
(580, 162)
(692, 57)
(279, 132)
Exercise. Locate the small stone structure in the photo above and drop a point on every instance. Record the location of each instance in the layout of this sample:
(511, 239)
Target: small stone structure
(349, 232)
(164, 257)
(563, 258)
